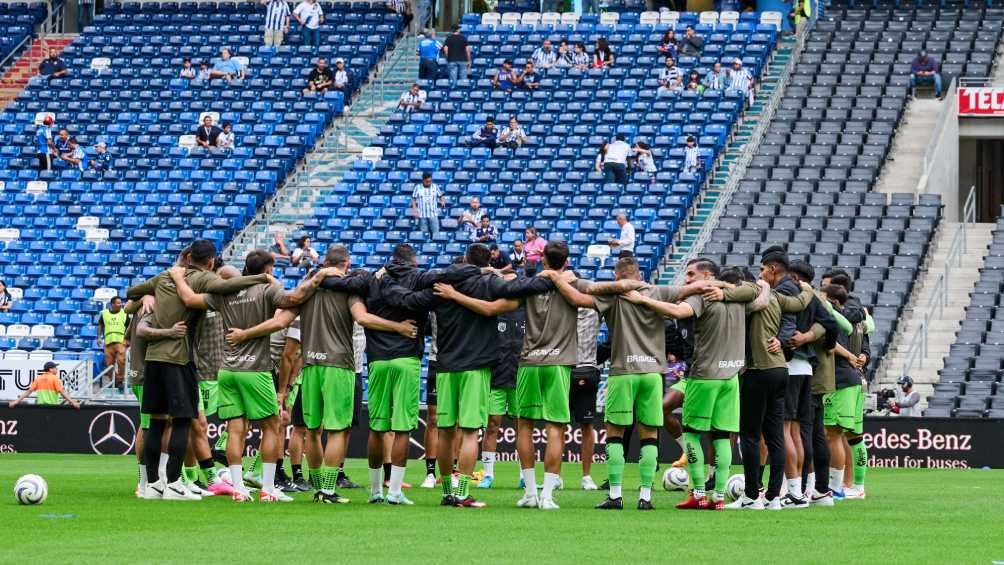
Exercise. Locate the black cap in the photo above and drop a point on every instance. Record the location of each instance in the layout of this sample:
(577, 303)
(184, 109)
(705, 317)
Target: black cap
(775, 253)
(49, 365)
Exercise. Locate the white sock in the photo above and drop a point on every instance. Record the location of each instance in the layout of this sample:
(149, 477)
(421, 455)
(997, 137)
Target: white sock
(142, 476)
(237, 478)
(836, 479)
(488, 463)
(396, 479)
(810, 481)
(615, 491)
(681, 443)
(645, 494)
(529, 482)
(795, 487)
(162, 467)
(550, 481)
(698, 492)
(376, 481)
(267, 477)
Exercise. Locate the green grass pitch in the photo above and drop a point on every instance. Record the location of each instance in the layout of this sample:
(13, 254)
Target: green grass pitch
(91, 516)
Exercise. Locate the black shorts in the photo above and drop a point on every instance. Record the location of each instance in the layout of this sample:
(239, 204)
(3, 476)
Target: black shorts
(44, 161)
(296, 414)
(357, 400)
(582, 396)
(430, 388)
(798, 398)
(170, 389)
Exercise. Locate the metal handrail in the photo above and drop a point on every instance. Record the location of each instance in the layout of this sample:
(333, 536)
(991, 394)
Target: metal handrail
(932, 145)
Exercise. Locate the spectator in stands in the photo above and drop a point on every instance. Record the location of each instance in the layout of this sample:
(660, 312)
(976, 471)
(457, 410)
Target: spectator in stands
(603, 56)
(207, 134)
(341, 75)
(670, 79)
(615, 160)
(112, 323)
(544, 57)
(517, 258)
(101, 161)
(73, 157)
(471, 217)
(486, 232)
(645, 159)
(426, 199)
(498, 260)
(428, 55)
(564, 59)
(487, 136)
(403, 9)
(304, 255)
(458, 55)
(580, 58)
(225, 141)
(741, 79)
(278, 249)
(716, 79)
(908, 398)
(924, 70)
(512, 135)
(694, 83)
(505, 78)
(412, 99)
(276, 21)
(691, 44)
(310, 16)
(320, 78)
(528, 79)
(601, 157)
(44, 146)
(692, 156)
(534, 248)
(668, 44)
(62, 141)
(48, 388)
(187, 70)
(624, 244)
(800, 14)
(53, 66)
(226, 67)
(204, 73)
(6, 300)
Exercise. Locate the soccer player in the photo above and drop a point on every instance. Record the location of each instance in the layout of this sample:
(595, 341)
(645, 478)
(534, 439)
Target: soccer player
(246, 390)
(585, 383)
(170, 385)
(502, 399)
(638, 353)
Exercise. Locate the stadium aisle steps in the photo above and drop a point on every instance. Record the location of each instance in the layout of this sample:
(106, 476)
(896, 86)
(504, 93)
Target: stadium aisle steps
(700, 212)
(15, 78)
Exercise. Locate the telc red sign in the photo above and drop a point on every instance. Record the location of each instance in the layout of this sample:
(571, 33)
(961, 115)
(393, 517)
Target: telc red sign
(981, 101)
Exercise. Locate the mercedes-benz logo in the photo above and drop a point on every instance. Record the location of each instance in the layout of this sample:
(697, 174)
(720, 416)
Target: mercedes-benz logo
(112, 433)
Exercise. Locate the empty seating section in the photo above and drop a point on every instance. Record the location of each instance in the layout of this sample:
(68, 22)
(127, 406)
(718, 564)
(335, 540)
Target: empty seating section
(550, 182)
(17, 21)
(809, 185)
(970, 384)
(66, 233)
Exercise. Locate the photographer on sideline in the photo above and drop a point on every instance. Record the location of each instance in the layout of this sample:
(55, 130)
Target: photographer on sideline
(908, 399)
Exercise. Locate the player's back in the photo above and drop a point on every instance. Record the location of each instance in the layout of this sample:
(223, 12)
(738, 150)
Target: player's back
(467, 340)
(551, 336)
(637, 333)
(719, 338)
(326, 329)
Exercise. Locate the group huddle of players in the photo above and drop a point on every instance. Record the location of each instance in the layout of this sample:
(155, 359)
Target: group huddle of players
(771, 360)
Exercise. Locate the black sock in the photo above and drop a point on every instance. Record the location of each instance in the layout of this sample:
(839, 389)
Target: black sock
(341, 475)
(280, 471)
(430, 466)
(176, 447)
(206, 465)
(151, 449)
(297, 472)
(386, 471)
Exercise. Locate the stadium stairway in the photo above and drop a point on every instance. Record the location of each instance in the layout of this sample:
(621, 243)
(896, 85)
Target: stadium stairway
(700, 214)
(905, 164)
(946, 320)
(343, 143)
(15, 78)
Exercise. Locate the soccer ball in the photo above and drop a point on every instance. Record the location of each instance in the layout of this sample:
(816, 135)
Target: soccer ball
(675, 478)
(30, 489)
(736, 486)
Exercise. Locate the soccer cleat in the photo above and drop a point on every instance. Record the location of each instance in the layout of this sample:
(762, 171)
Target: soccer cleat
(448, 500)
(252, 480)
(486, 482)
(681, 462)
(154, 491)
(429, 482)
(399, 500)
(302, 485)
(611, 504)
(196, 488)
(470, 502)
(273, 496)
(773, 504)
(825, 499)
(548, 504)
(605, 485)
(528, 501)
(560, 485)
(854, 493)
(588, 483)
(285, 484)
(745, 503)
(714, 504)
(376, 498)
(790, 501)
(241, 496)
(346, 482)
(645, 504)
(178, 491)
(332, 498)
(220, 487)
(838, 494)
(693, 503)
(139, 491)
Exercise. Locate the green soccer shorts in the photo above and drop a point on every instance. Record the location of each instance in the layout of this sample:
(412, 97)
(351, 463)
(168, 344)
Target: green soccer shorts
(144, 419)
(542, 393)
(843, 408)
(712, 404)
(327, 398)
(634, 397)
(502, 402)
(294, 390)
(393, 394)
(463, 398)
(249, 394)
(209, 396)
(859, 411)
(680, 386)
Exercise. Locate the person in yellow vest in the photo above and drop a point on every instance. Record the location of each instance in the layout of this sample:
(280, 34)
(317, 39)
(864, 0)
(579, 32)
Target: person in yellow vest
(111, 335)
(47, 388)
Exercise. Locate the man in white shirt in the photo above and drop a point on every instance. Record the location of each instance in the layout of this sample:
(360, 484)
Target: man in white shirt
(310, 16)
(624, 243)
(411, 100)
(615, 161)
(740, 79)
(512, 136)
(341, 77)
(470, 219)
(908, 398)
(544, 56)
(276, 21)
(670, 79)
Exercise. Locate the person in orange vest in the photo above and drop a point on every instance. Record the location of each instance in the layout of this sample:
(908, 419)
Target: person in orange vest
(48, 388)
